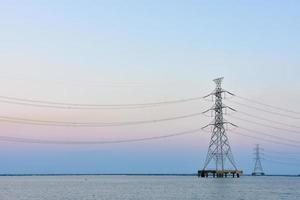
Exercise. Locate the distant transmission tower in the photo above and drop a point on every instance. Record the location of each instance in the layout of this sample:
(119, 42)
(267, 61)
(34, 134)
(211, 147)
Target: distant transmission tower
(219, 149)
(258, 170)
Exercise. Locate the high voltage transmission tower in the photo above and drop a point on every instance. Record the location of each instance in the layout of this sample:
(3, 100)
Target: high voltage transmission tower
(219, 149)
(258, 170)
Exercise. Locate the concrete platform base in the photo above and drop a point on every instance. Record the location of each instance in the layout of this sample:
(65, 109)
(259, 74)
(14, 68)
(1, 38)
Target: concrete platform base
(220, 173)
(258, 174)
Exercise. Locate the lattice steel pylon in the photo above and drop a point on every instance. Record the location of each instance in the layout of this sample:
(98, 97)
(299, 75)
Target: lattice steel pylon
(219, 149)
(258, 169)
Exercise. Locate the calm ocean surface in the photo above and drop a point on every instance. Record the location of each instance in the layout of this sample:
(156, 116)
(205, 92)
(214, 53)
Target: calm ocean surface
(147, 187)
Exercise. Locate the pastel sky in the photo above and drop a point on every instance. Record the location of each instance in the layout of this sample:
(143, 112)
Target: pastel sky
(113, 52)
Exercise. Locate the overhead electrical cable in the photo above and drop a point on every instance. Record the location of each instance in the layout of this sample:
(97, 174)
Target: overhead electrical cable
(265, 125)
(267, 105)
(266, 119)
(270, 135)
(63, 105)
(74, 107)
(95, 142)
(282, 152)
(282, 157)
(266, 140)
(283, 163)
(263, 110)
(90, 124)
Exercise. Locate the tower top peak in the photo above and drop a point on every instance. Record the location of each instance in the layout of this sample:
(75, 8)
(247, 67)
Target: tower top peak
(218, 80)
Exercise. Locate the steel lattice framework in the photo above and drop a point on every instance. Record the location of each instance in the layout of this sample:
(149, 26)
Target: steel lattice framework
(219, 149)
(258, 169)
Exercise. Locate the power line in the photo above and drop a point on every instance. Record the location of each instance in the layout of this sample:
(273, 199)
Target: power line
(265, 119)
(74, 107)
(62, 142)
(264, 110)
(63, 105)
(283, 163)
(282, 152)
(267, 105)
(266, 140)
(282, 157)
(90, 124)
(265, 125)
(270, 135)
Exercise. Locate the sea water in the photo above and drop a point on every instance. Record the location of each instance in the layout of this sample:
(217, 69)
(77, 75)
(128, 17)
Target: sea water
(147, 187)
